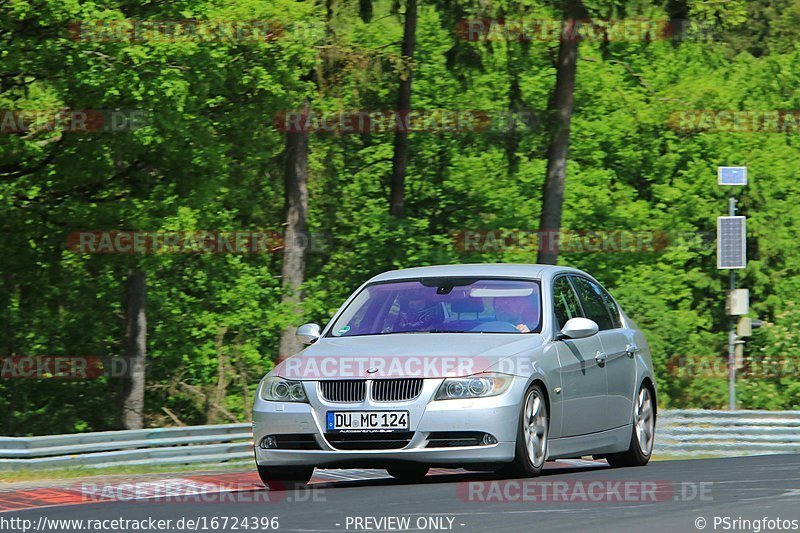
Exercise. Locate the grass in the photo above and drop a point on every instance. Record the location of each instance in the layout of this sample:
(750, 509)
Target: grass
(666, 457)
(45, 474)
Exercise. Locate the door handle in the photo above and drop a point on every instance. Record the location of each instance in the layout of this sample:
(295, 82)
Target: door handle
(600, 357)
(630, 350)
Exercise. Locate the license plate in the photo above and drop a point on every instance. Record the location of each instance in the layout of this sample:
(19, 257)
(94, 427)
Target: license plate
(367, 420)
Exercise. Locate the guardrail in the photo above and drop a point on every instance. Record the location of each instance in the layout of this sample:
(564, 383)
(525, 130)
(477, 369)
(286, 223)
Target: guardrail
(702, 432)
(179, 445)
(679, 432)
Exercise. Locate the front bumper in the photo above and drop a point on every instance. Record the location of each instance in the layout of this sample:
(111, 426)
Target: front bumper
(497, 416)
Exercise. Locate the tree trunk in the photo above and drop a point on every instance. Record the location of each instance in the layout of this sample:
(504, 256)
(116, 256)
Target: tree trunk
(135, 350)
(400, 158)
(555, 181)
(295, 238)
(216, 399)
(515, 106)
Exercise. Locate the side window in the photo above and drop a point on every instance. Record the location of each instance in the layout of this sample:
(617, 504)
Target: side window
(594, 305)
(611, 307)
(565, 303)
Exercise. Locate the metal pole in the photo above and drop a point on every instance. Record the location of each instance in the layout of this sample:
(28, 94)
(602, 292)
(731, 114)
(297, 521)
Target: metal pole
(732, 332)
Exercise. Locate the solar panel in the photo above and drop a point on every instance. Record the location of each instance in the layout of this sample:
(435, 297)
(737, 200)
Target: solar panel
(732, 175)
(731, 240)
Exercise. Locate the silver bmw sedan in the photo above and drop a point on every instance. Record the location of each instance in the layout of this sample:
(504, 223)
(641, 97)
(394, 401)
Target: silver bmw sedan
(484, 367)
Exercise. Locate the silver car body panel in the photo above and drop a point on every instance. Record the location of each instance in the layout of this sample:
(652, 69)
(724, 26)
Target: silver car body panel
(590, 403)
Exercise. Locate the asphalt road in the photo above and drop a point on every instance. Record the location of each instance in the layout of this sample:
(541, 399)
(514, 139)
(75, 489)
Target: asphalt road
(670, 496)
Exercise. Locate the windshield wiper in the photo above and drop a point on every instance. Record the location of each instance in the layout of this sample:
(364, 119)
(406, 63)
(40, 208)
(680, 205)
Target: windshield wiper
(405, 332)
(379, 333)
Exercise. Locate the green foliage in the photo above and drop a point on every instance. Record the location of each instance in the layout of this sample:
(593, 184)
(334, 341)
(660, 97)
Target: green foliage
(209, 158)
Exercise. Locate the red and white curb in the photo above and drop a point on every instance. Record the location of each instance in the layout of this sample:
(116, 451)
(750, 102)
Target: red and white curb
(175, 489)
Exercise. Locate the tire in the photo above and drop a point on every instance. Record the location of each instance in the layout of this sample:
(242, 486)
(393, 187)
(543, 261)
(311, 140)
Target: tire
(284, 477)
(408, 472)
(642, 432)
(532, 431)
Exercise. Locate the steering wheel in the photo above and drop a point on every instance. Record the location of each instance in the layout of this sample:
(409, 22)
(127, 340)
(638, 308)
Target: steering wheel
(496, 326)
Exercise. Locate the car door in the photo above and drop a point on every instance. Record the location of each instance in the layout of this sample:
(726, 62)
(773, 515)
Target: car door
(617, 347)
(583, 381)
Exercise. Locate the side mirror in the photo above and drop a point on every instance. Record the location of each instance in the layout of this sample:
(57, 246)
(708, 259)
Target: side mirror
(308, 333)
(578, 328)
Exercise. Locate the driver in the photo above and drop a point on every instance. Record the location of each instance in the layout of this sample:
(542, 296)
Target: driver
(518, 311)
(418, 314)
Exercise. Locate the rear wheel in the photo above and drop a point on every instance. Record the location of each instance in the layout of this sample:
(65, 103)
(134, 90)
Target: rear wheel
(532, 430)
(283, 477)
(409, 472)
(642, 434)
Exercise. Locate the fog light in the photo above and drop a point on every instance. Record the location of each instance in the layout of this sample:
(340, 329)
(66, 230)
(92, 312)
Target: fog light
(269, 442)
(487, 439)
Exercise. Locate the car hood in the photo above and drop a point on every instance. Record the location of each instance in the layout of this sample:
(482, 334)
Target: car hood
(427, 355)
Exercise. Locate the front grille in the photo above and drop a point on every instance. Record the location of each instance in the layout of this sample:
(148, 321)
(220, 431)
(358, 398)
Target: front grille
(369, 441)
(454, 439)
(344, 390)
(396, 390)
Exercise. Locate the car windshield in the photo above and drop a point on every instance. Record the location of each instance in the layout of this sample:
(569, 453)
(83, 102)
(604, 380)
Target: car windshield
(443, 305)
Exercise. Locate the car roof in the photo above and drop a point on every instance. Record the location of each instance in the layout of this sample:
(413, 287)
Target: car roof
(503, 270)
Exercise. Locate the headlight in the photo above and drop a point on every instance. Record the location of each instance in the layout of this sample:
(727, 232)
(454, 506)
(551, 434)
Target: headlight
(283, 390)
(477, 386)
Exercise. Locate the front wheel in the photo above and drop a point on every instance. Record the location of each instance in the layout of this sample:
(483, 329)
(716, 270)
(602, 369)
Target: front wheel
(283, 477)
(642, 434)
(532, 430)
